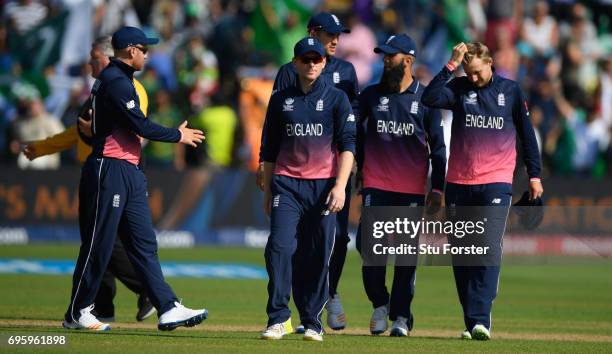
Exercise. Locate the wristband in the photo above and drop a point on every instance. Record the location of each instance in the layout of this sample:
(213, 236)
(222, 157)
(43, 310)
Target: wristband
(535, 179)
(437, 191)
(180, 132)
(451, 66)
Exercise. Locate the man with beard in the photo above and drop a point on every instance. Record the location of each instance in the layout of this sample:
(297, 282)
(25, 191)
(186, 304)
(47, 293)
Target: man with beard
(397, 137)
(339, 73)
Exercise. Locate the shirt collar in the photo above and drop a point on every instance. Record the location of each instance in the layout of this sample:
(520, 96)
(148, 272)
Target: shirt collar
(414, 86)
(127, 69)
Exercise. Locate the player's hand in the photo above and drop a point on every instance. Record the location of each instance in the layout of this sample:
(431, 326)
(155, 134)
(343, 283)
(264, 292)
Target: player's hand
(458, 52)
(535, 189)
(433, 202)
(267, 203)
(29, 150)
(259, 177)
(85, 126)
(190, 136)
(335, 199)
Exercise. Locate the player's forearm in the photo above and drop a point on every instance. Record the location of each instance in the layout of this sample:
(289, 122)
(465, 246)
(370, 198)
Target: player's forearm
(436, 94)
(345, 165)
(57, 143)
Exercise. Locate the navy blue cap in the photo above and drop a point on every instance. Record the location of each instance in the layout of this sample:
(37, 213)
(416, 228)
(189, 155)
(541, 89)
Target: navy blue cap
(328, 23)
(308, 44)
(530, 212)
(128, 36)
(400, 43)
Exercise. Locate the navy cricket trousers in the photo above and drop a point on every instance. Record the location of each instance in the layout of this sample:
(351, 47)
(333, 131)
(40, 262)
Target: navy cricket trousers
(113, 198)
(299, 249)
(341, 244)
(477, 285)
(404, 277)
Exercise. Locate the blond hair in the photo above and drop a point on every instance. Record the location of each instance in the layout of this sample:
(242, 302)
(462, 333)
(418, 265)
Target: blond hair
(477, 50)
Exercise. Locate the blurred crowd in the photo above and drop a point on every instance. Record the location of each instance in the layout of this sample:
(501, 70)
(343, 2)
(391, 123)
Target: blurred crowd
(560, 51)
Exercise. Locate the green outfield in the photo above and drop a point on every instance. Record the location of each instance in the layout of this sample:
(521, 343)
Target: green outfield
(539, 309)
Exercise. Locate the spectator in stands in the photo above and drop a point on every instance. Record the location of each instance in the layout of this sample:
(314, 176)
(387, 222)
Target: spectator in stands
(540, 33)
(23, 15)
(162, 154)
(34, 123)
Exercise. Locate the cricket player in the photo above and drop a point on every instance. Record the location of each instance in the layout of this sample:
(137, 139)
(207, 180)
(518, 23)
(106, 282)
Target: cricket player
(327, 28)
(119, 265)
(308, 152)
(397, 137)
(489, 112)
(113, 191)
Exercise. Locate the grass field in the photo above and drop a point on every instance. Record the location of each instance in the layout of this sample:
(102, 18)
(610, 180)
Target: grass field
(539, 309)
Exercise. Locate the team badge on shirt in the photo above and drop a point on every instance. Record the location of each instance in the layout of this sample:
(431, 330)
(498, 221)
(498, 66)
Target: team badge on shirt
(384, 104)
(319, 105)
(336, 77)
(501, 100)
(414, 107)
(288, 106)
(471, 98)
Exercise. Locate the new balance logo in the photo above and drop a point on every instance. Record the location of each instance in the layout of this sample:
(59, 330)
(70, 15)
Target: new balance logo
(350, 118)
(368, 200)
(116, 200)
(496, 201)
(130, 104)
(276, 201)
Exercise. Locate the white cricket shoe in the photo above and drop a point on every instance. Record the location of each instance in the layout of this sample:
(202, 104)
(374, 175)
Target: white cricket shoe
(87, 321)
(378, 321)
(179, 316)
(480, 332)
(399, 328)
(312, 335)
(466, 334)
(274, 332)
(336, 319)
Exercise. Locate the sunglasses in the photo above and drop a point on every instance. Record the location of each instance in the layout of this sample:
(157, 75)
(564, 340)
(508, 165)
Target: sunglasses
(144, 50)
(310, 59)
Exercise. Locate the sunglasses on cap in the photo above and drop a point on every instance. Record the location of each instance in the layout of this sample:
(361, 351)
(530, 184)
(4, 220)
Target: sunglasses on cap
(307, 59)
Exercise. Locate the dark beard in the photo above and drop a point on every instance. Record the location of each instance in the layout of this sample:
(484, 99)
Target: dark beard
(392, 78)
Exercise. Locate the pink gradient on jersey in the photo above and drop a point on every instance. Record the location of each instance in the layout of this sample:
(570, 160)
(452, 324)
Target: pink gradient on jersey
(310, 159)
(123, 145)
(396, 166)
(481, 157)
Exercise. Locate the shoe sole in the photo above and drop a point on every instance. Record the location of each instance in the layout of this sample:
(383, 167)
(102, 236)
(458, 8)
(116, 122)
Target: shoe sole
(376, 333)
(479, 335)
(147, 315)
(270, 338)
(77, 327)
(190, 322)
(396, 332)
(312, 339)
(338, 328)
